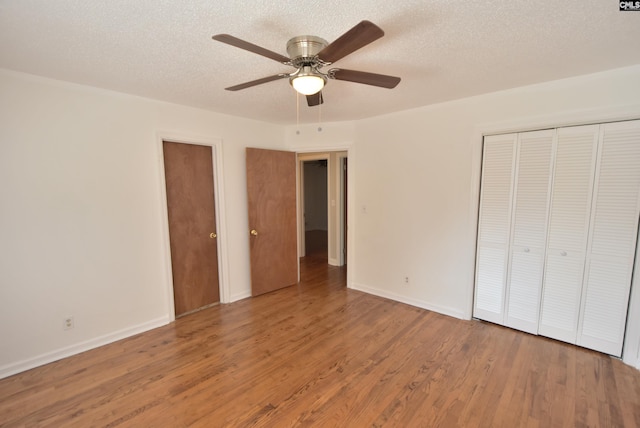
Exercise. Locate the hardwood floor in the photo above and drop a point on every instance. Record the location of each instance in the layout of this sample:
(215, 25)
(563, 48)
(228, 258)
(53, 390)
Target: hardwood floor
(319, 354)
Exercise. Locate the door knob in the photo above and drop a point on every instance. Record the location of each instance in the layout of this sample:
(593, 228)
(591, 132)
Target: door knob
(213, 235)
(254, 232)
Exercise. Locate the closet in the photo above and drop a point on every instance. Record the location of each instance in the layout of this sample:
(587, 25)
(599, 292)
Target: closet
(557, 232)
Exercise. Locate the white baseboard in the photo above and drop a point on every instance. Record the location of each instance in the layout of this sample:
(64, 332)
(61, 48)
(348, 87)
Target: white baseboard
(49, 357)
(240, 296)
(455, 313)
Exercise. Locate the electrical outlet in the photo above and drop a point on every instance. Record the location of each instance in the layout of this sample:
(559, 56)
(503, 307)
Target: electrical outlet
(406, 280)
(67, 323)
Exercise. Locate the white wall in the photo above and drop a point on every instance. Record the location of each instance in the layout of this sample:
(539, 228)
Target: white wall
(416, 176)
(81, 218)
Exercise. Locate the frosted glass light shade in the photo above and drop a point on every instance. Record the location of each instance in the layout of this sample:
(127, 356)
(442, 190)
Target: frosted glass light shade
(308, 84)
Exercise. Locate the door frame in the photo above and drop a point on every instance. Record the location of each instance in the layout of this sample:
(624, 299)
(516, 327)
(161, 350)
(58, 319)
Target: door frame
(343, 196)
(300, 160)
(218, 191)
(335, 228)
(351, 229)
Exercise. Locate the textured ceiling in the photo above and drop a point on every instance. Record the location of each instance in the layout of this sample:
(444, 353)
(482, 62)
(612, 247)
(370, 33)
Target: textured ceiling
(442, 50)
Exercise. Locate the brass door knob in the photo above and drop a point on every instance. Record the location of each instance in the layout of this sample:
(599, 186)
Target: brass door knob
(254, 232)
(213, 235)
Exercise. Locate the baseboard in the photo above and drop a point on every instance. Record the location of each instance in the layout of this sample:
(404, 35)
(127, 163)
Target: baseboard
(333, 261)
(240, 296)
(49, 357)
(455, 313)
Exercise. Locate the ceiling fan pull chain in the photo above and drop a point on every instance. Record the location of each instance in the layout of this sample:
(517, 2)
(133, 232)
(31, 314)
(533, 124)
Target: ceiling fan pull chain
(319, 117)
(297, 111)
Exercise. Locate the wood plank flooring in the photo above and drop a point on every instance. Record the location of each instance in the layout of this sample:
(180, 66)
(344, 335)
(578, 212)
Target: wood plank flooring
(319, 354)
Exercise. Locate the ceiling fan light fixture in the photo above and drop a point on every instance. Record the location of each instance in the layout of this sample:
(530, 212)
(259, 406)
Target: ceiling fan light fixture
(307, 82)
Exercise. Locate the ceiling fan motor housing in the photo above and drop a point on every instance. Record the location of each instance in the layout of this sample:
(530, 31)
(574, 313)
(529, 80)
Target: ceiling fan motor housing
(303, 50)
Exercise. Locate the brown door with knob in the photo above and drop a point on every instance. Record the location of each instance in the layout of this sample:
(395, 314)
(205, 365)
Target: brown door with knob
(192, 225)
(271, 190)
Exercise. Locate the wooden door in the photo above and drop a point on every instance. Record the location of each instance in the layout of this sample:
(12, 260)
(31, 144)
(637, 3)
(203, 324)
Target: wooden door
(192, 225)
(271, 193)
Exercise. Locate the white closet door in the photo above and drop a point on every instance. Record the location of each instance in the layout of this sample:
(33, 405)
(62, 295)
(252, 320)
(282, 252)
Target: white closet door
(612, 243)
(529, 230)
(568, 231)
(494, 227)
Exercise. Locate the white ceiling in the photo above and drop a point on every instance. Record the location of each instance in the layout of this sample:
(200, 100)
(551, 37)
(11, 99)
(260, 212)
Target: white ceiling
(442, 50)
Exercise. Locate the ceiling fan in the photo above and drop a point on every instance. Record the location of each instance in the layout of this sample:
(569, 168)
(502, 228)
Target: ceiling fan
(309, 54)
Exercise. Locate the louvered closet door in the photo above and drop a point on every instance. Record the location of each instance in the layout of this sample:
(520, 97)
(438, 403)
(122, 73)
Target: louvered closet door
(568, 231)
(494, 227)
(529, 230)
(612, 243)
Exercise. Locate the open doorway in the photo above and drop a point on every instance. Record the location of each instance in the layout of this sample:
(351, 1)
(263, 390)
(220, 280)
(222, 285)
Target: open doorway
(322, 206)
(316, 210)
